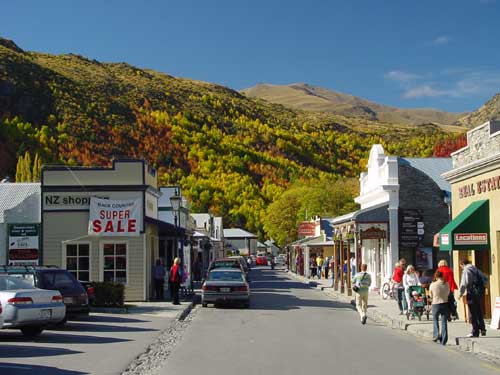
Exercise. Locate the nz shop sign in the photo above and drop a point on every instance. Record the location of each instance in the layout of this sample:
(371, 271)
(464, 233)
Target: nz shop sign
(109, 217)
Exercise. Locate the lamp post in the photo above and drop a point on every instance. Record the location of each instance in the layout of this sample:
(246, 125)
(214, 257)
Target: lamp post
(175, 201)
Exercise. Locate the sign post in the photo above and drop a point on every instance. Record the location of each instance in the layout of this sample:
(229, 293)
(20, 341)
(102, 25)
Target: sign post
(24, 244)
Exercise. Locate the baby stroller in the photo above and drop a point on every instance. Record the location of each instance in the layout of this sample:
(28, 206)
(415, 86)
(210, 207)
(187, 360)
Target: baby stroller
(417, 302)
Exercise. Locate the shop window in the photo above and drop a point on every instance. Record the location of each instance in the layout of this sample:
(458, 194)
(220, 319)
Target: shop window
(115, 262)
(78, 260)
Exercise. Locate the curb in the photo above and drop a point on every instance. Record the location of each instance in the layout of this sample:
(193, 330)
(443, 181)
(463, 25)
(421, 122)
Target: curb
(109, 310)
(462, 343)
(185, 312)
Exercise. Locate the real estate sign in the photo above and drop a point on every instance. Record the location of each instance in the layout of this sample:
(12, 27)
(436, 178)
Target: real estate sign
(108, 217)
(24, 244)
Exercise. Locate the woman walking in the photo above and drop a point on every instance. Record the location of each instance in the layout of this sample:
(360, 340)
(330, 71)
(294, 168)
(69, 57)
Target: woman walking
(448, 277)
(439, 292)
(410, 279)
(397, 278)
(175, 281)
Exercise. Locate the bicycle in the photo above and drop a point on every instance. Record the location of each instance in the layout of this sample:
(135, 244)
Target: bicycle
(388, 290)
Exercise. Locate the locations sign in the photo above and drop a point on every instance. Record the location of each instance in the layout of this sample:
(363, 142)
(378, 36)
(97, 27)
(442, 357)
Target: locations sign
(109, 217)
(24, 244)
(471, 238)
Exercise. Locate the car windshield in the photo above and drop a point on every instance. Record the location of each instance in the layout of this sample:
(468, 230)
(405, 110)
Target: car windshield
(226, 264)
(225, 276)
(13, 283)
(57, 280)
(26, 277)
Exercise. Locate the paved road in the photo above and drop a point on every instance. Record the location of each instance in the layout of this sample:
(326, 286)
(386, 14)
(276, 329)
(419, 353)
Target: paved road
(294, 329)
(100, 344)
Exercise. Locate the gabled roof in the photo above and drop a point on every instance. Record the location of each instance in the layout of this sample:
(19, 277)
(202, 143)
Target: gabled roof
(12, 194)
(238, 233)
(432, 167)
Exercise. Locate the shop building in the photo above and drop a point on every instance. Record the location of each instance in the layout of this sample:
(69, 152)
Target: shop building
(102, 223)
(20, 223)
(403, 203)
(241, 240)
(474, 232)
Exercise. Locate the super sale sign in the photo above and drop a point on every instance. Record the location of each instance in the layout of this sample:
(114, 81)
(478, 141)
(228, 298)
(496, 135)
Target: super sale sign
(109, 217)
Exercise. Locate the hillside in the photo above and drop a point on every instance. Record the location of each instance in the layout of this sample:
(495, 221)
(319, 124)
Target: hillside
(489, 111)
(231, 154)
(317, 99)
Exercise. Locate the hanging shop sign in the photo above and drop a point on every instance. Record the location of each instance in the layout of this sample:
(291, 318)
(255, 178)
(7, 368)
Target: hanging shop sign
(108, 217)
(306, 228)
(471, 238)
(24, 244)
(373, 234)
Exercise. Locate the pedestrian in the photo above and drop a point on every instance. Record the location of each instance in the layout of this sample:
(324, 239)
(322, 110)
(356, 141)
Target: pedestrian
(297, 264)
(331, 265)
(362, 281)
(439, 292)
(159, 279)
(448, 276)
(397, 278)
(319, 265)
(175, 279)
(473, 283)
(410, 278)
(312, 267)
(326, 267)
(353, 265)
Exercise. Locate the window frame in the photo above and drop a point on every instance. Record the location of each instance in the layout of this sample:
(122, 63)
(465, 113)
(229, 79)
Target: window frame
(65, 257)
(101, 255)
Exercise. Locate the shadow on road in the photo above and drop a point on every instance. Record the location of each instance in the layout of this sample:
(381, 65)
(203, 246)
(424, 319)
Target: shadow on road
(54, 337)
(26, 351)
(20, 369)
(84, 327)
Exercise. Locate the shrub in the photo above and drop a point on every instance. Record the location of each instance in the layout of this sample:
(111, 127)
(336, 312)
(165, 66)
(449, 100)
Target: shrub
(108, 294)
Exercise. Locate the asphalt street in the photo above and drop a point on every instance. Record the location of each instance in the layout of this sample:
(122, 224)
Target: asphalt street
(99, 344)
(292, 328)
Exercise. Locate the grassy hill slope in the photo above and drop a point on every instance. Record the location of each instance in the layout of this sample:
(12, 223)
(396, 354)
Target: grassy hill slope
(311, 98)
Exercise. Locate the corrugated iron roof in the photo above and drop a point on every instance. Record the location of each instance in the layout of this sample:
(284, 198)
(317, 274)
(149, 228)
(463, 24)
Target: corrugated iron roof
(238, 233)
(12, 194)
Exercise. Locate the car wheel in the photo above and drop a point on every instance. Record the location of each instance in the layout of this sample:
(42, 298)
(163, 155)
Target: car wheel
(31, 331)
(204, 304)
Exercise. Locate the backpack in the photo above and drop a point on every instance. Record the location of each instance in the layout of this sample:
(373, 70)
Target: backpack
(477, 286)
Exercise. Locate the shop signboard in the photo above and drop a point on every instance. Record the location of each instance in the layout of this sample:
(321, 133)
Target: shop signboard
(373, 234)
(411, 228)
(109, 217)
(307, 228)
(24, 244)
(471, 238)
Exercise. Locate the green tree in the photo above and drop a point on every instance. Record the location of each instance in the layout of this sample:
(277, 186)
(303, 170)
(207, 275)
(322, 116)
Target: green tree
(20, 169)
(37, 167)
(28, 176)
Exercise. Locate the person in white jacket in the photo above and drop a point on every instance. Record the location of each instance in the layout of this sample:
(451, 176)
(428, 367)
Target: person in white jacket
(410, 278)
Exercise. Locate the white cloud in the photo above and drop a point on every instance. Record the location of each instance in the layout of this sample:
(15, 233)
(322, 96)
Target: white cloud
(450, 83)
(423, 91)
(402, 77)
(440, 40)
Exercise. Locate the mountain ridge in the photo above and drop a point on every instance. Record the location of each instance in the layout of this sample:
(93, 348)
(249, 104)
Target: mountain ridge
(319, 99)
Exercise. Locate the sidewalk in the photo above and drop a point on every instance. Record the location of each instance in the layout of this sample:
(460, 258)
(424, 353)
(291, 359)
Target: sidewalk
(387, 312)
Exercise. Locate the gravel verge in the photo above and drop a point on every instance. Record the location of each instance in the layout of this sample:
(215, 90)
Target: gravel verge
(149, 362)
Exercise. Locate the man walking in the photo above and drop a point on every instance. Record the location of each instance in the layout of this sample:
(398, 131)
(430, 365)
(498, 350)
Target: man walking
(397, 278)
(362, 281)
(473, 282)
(159, 272)
(319, 265)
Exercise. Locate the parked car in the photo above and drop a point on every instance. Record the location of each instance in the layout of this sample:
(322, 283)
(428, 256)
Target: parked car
(226, 263)
(74, 294)
(1, 318)
(28, 308)
(261, 260)
(225, 285)
(280, 259)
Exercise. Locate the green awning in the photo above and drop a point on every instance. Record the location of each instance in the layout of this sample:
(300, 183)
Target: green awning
(470, 230)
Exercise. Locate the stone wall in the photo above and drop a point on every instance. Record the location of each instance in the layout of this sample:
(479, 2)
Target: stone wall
(480, 144)
(419, 191)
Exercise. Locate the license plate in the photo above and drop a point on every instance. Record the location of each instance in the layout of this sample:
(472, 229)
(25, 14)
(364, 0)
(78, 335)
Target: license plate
(46, 313)
(225, 290)
(68, 299)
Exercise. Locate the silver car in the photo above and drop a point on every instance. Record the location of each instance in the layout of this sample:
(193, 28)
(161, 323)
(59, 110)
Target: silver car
(28, 308)
(225, 285)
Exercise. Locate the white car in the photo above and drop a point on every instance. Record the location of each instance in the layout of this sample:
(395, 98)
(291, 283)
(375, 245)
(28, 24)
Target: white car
(280, 259)
(28, 308)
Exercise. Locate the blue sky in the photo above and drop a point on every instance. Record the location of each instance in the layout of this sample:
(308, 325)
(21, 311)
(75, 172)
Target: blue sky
(420, 53)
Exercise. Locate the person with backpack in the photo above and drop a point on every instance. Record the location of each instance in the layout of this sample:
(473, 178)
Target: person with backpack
(362, 281)
(472, 285)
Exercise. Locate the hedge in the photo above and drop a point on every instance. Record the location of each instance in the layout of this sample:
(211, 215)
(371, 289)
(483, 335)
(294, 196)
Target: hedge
(108, 294)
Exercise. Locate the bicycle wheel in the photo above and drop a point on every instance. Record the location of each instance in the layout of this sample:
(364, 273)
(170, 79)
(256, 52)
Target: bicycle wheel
(386, 290)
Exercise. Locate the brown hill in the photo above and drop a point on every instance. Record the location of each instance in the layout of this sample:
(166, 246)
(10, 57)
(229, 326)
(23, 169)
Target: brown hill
(489, 111)
(317, 99)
